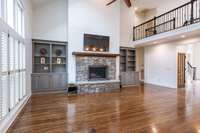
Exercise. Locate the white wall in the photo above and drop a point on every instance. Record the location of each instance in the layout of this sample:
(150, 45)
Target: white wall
(161, 7)
(160, 65)
(161, 61)
(145, 15)
(168, 5)
(50, 20)
(126, 24)
(93, 17)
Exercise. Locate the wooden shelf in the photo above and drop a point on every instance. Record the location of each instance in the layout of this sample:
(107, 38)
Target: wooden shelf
(127, 59)
(41, 64)
(97, 54)
(51, 48)
(37, 56)
(59, 57)
(58, 64)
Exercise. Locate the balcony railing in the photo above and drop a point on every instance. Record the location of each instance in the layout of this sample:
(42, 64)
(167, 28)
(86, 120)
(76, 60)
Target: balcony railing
(184, 15)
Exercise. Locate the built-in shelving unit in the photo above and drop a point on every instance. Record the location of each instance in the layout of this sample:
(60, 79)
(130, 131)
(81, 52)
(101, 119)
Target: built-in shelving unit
(127, 59)
(49, 65)
(129, 76)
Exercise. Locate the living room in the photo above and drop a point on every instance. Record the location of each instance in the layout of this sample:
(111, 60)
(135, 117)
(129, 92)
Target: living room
(99, 66)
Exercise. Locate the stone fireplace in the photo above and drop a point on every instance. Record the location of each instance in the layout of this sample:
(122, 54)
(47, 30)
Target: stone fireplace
(96, 72)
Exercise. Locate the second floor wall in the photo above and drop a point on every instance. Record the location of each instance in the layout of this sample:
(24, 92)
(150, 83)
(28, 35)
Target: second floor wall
(155, 8)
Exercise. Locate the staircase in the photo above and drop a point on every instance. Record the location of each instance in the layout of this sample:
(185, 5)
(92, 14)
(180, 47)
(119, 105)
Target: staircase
(193, 72)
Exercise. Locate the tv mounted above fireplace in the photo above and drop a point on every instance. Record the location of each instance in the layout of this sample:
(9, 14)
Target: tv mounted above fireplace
(96, 43)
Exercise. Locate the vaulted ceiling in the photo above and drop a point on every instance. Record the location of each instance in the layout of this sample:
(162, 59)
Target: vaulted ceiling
(140, 4)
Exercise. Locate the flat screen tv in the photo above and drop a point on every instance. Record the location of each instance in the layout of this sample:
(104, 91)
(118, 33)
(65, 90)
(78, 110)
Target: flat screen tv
(96, 43)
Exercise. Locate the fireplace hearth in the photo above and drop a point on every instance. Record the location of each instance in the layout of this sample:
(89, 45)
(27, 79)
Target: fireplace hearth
(97, 73)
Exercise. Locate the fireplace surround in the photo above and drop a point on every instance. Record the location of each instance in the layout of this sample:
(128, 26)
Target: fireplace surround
(96, 72)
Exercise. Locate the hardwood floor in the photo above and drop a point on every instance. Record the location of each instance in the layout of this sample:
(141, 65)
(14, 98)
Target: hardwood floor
(148, 109)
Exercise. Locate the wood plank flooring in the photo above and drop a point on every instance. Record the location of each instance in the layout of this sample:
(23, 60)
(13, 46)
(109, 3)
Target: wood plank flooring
(146, 109)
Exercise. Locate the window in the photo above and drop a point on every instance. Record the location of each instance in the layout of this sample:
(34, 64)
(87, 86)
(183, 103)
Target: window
(10, 13)
(1, 2)
(12, 56)
(12, 73)
(2, 8)
(4, 74)
(19, 22)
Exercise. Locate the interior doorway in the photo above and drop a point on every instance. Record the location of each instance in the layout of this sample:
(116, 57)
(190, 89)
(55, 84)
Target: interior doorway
(181, 70)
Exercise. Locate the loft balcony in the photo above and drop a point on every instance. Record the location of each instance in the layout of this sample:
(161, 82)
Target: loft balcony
(178, 19)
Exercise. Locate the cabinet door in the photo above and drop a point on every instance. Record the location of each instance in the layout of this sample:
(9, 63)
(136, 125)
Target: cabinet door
(44, 82)
(35, 80)
(123, 78)
(59, 81)
(40, 82)
(129, 78)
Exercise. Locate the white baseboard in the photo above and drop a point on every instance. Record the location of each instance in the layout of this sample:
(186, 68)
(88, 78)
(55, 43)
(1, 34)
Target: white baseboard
(161, 85)
(10, 118)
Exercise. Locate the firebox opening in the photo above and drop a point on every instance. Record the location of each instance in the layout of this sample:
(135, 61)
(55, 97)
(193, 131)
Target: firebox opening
(98, 72)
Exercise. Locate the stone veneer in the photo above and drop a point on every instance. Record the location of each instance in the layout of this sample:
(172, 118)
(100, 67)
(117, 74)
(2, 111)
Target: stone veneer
(83, 63)
(82, 72)
(98, 87)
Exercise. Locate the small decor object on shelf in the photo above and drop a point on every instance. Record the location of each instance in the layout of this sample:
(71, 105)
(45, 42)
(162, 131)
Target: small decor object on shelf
(59, 61)
(46, 68)
(42, 60)
(58, 52)
(72, 89)
(43, 52)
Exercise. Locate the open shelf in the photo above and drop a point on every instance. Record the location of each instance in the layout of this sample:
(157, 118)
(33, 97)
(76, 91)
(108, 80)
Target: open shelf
(54, 60)
(127, 59)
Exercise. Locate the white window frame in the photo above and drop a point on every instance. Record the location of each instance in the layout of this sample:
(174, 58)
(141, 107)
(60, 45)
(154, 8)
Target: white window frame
(17, 74)
(18, 4)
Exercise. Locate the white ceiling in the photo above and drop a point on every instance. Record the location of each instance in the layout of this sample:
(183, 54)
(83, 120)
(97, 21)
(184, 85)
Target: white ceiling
(139, 3)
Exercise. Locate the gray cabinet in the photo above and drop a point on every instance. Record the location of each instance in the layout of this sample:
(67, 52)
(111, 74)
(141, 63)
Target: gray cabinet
(40, 82)
(129, 78)
(49, 66)
(128, 75)
(59, 81)
(49, 82)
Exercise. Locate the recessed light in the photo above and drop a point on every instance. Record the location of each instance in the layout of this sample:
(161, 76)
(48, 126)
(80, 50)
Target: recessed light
(135, 8)
(155, 42)
(183, 36)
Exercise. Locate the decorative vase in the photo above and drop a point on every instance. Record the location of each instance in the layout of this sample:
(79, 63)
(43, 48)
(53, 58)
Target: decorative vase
(58, 52)
(42, 60)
